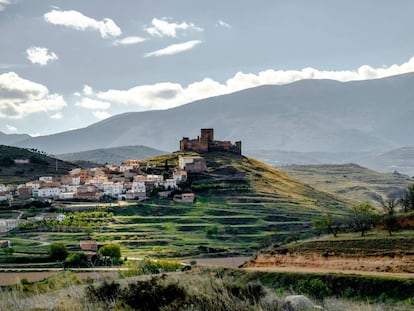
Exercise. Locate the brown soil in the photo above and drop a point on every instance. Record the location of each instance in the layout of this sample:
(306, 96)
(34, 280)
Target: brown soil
(318, 263)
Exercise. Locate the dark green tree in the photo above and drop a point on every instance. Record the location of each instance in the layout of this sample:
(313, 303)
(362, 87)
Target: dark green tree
(111, 250)
(57, 251)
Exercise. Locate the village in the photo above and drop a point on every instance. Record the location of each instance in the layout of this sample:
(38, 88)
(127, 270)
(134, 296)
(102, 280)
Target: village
(133, 180)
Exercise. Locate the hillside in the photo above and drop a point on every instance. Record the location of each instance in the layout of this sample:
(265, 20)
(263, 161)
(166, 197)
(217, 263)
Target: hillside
(350, 181)
(40, 165)
(241, 205)
(308, 115)
(400, 160)
(112, 155)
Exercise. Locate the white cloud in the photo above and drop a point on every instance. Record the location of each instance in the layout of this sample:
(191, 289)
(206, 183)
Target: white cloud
(93, 104)
(87, 90)
(11, 128)
(224, 24)
(4, 3)
(57, 116)
(174, 48)
(76, 20)
(101, 115)
(41, 56)
(163, 28)
(20, 97)
(129, 41)
(168, 95)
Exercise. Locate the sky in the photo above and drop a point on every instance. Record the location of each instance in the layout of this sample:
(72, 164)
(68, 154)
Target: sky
(66, 64)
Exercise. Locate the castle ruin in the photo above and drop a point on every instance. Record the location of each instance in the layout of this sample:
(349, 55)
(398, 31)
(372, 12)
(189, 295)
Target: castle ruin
(206, 143)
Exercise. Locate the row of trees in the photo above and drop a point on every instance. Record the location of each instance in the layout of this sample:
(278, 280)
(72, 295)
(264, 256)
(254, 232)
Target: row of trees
(365, 216)
(59, 252)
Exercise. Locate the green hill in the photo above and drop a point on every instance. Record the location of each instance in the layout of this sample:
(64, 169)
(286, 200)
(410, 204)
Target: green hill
(350, 181)
(114, 155)
(241, 205)
(39, 165)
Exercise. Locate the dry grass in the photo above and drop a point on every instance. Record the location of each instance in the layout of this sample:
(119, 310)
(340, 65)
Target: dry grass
(206, 289)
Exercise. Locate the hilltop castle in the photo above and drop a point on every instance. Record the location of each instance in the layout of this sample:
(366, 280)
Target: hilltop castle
(206, 143)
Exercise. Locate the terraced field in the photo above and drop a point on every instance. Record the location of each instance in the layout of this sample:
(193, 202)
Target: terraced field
(241, 205)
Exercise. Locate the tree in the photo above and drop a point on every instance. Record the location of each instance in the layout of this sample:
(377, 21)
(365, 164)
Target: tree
(324, 223)
(57, 251)
(407, 199)
(363, 217)
(77, 259)
(389, 218)
(111, 250)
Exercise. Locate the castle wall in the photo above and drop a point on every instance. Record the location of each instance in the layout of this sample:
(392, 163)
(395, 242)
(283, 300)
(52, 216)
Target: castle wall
(206, 143)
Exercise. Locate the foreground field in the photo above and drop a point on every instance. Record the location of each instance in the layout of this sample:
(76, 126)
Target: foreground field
(207, 289)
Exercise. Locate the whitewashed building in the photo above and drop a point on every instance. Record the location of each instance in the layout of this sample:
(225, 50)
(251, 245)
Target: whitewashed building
(113, 188)
(8, 224)
(46, 178)
(47, 192)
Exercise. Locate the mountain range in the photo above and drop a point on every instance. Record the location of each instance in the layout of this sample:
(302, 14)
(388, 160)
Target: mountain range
(370, 116)
(112, 155)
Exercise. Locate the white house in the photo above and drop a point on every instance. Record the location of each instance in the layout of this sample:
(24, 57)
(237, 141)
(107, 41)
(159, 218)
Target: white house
(180, 176)
(67, 195)
(3, 188)
(68, 188)
(113, 188)
(155, 178)
(46, 178)
(169, 184)
(34, 184)
(8, 224)
(5, 196)
(48, 192)
(138, 186)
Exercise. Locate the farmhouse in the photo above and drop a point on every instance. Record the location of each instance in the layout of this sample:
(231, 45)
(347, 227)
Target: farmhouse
(192, 164)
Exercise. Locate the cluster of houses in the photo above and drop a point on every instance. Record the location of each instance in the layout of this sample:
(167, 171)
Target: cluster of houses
(129, 181)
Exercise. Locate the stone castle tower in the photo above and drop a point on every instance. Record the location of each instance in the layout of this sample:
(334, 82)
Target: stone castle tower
(206, 143)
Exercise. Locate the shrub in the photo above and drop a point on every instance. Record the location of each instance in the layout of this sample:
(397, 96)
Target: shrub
(111, 250)
(152, 295)
(77, 259)
(314, 287)
(106, 291)
(57, 251)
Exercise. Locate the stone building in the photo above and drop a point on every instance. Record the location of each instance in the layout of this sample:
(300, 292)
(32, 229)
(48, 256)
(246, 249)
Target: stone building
(206, 143)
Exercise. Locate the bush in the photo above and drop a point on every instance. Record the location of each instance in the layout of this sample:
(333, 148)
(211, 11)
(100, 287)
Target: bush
(106, 291)
(57, 251)
(77, 260)
(149, 295)
(111, 250)
(152, 295)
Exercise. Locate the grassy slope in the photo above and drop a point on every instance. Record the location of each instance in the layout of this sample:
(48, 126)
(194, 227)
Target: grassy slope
(349, 181)
(43, 165)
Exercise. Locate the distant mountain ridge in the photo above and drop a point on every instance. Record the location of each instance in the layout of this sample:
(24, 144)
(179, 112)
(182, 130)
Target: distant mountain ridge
(308, 115)
(114, 155)
(10, 139)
